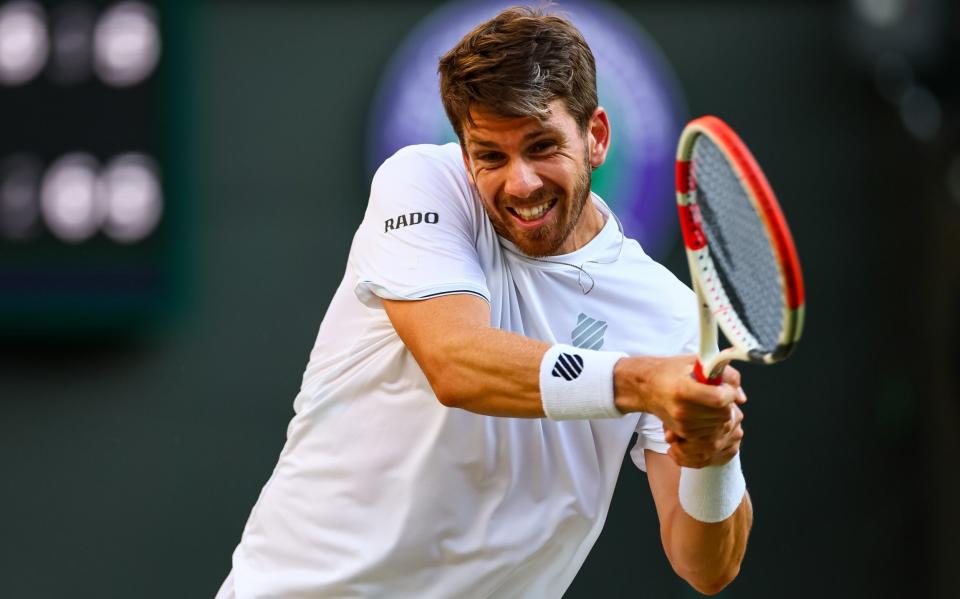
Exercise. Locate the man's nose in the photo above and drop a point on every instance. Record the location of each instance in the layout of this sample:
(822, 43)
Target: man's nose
(522, 179)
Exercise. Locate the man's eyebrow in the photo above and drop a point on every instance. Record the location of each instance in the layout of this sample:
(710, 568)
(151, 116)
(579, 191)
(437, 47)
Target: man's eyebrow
(546, 131)
(480, 142)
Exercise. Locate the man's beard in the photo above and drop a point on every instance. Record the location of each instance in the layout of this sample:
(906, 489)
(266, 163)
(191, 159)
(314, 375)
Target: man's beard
(532, 242)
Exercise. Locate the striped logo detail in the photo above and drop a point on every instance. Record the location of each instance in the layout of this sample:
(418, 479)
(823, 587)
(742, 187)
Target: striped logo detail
(568, 366)
(588, 333)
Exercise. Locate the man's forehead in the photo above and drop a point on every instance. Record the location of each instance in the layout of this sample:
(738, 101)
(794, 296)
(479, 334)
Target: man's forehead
(487, 124)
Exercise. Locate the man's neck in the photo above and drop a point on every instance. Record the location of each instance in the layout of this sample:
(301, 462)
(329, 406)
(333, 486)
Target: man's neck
(589, 226)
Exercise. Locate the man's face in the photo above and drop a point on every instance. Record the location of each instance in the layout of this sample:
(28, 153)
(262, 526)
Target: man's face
(533, 177)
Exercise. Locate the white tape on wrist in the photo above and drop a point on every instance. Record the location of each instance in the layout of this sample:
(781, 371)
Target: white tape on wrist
(712, 493)
(578, 383)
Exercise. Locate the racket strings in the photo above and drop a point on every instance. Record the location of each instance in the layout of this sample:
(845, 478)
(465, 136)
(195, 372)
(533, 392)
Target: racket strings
(739, 246)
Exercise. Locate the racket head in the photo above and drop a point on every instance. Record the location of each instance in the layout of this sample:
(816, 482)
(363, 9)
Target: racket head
(743, 261)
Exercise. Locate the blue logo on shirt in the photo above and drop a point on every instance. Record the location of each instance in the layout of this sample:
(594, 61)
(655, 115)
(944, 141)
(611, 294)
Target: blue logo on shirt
(588, 333)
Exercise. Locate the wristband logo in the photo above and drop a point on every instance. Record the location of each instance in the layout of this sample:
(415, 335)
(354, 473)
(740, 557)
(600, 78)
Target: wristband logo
(568, 366)
(635, 83)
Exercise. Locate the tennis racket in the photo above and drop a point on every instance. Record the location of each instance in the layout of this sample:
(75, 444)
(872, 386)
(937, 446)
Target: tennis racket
(743, 263)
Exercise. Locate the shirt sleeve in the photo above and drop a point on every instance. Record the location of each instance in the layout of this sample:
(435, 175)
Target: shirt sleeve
(649, 436)
(419, 235)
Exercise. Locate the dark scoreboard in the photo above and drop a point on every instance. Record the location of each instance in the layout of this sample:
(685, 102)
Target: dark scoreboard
(89, 212)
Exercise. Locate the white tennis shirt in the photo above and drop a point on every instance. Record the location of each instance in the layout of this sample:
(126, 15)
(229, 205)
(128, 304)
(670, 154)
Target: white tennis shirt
(381, 491)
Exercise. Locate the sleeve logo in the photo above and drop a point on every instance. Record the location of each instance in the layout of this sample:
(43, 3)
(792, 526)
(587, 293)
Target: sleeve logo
(568, 366)
(413, 218)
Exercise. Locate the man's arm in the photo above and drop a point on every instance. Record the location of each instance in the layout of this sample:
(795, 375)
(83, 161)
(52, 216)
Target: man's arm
(472, 366)
(475, 367)
(707, 556)
(469, 364)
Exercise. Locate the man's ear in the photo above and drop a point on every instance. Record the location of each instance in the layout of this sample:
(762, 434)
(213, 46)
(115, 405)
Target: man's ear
(598, 137)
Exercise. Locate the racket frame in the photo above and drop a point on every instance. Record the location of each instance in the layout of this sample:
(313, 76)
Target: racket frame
(715, 307)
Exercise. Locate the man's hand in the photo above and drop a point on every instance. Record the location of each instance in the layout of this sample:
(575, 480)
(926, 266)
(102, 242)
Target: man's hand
(702, 422)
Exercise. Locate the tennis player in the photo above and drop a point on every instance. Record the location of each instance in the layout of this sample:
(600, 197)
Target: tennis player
(494, 345)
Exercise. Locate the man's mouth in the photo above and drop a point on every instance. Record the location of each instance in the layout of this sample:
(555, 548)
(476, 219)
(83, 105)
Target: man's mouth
(531, 213)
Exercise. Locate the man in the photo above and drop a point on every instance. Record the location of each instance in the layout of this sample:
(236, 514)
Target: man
(468, 402)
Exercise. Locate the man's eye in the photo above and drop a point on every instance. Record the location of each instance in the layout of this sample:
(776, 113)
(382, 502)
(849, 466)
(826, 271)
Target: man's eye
(542, 146)
(489, 157)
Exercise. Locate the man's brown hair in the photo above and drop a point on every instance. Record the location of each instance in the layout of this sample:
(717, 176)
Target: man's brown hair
(515, 64)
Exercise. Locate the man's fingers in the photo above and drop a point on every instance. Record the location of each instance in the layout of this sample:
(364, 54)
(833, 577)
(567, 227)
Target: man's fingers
(706, 430)
(726, 454)
(710, 396)
(686, 416)
(731, 376)
(693, 457)
(704, 436)
(729, 391)
(674, 454)
(738, 415)
(693, 453)
(686, 459)
(702, 417)
(741, 396)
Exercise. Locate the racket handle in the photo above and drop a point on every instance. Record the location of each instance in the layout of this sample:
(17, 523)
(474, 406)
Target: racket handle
(702, 378)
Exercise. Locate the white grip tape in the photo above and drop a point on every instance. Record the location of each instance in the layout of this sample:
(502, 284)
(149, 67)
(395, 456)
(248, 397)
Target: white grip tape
(578, 383)
(712, 493)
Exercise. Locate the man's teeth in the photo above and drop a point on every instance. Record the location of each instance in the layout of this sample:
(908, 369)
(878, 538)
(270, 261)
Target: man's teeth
(533, 212)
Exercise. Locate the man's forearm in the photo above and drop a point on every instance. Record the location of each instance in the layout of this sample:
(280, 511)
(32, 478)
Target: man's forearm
(490, 371)
(469, 364)
(478, 368)
(708, 556)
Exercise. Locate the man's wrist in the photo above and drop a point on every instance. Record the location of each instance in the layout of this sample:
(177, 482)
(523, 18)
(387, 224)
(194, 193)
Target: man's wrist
(712, 493)
(577, 383)
(631, 384)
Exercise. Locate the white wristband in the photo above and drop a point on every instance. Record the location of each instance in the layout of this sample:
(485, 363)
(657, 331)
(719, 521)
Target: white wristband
(578, 383)
(712, 493)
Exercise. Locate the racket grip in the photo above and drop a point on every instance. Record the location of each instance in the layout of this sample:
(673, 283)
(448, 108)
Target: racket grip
(702, 378)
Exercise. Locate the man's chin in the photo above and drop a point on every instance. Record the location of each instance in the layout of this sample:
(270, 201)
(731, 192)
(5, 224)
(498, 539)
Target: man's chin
(536, 248)
(537, 243)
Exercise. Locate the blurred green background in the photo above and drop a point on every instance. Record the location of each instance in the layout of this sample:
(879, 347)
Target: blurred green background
(130, 459)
